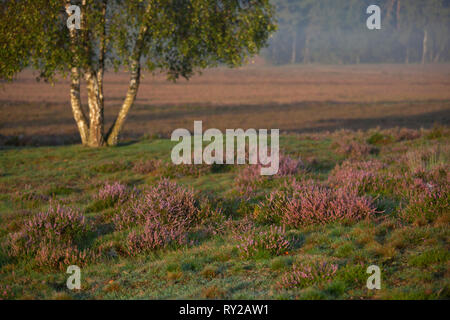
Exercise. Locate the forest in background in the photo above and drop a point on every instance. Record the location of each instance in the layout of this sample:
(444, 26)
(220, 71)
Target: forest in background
(335, 31)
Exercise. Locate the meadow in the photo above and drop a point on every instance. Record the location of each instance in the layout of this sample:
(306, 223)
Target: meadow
(363, 181)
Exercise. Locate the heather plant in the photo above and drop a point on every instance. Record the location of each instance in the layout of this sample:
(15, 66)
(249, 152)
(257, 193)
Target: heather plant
(167, 202)
(427, 202)
(6, 292)
(146, 166)
(304, 276)
(379, 138)
(404, 134)
(52, 237)
(437, 132)
(254, 243)
(212, 220)
(155, 235)
(112, 193)
(289, 166)
(168, 212)
(358, 176)
(426, 159)
(60, 255)
(352, 147)
(249, 180)
(306, 203)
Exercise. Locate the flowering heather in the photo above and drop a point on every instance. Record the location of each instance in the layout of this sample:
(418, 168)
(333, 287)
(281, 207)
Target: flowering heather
(113, 193)
(289, 166)
(59, 256)
(273, 241)
(308, 275)
(155, 236)
(421, 162)
(354, 149)
(308, 203)
(147, 166)
(403, 134)
(167, 203)
(6, 292)
(427, 202)
(360, 176)
(248, 180)
(51, 237)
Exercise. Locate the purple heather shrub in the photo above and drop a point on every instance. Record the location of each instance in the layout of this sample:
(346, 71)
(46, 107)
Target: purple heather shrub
(289, 166)
(241, 226)
(147, 166)
(248, 180)
(306, 203)
(360, 176)
(427, 202)
(404, 134)
(6, 292)
(47, 235)
(354, 149)
(166, 203)
(273, 241)
(155, 235)
(113, 193)
(304, 276)
(59, 256)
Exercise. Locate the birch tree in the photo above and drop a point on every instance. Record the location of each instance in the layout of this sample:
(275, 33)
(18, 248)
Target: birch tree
(177, 37)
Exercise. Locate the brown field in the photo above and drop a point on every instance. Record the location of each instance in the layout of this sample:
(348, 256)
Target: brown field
(291, 98)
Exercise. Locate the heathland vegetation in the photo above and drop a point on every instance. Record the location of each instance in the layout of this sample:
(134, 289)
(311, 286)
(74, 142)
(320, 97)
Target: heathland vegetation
(141, 227)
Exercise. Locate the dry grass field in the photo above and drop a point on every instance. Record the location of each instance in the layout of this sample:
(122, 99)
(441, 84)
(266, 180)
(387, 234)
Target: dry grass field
(292, 98)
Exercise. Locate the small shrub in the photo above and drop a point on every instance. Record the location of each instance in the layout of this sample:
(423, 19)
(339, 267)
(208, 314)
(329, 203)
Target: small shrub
(147, 166)
(6, 292)
(379, 139)
(435, 133)
(307, 203)
(289, 166)
(427, 204)
(52, 238)
(359, 176)
(166, 203)
(168, 213)
(154, 236)
(304, 276)
(354, 149)
(113, 193)
(273, 241)
(404, 134)
(249, 180)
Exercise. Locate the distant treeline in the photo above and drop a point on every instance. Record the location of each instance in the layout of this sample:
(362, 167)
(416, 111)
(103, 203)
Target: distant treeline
(335, 31)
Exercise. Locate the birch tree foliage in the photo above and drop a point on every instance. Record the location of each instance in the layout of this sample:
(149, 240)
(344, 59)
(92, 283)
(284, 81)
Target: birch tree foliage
(177, 37)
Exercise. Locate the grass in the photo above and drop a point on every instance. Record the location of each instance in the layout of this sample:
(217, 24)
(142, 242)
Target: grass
(413, 257)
